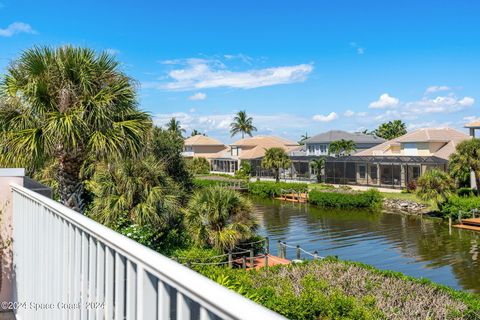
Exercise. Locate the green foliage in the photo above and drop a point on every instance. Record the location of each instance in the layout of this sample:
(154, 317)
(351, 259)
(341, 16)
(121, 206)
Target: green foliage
(72, 105)
(168, 146)
(466, 158)
(435, 185)
(454, 204)
(243, 124)
(198, 166)
(276, 159)
(220, 218)
(303, 138)
(318, 165)
(391, 130)
(465, 192)
(198, 255)
(174, 126)
(268, 189)
(333, 289)
(341, 147)
(204, 183)
(368, 199)
(245, 170)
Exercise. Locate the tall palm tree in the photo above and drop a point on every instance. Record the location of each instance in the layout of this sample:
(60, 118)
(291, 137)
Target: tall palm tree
(174, 126)
(303, 138)
(138, 190)
(435, 185)
(71, 105)
(341, 147)
(348, 146)
(318, 165)
(220, 218)
(467, 157)
(276, 159)
(242, 124)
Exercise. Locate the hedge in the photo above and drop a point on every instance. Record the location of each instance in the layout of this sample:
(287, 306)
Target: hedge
(368, 199)
(334, 289)
(203, 183)
(456, 203)
(274, 189)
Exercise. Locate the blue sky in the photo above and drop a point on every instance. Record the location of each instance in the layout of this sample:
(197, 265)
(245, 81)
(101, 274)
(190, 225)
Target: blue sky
(295, 66)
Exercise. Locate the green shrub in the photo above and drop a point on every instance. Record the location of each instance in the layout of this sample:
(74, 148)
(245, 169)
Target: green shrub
(465, 192)
(273, 189)
(198, 166)
(456, 203)
(368, 199)
(203, 183)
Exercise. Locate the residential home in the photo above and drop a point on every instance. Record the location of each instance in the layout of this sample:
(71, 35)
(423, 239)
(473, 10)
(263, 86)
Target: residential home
(397, 162)
(201, 146)
(250, 149)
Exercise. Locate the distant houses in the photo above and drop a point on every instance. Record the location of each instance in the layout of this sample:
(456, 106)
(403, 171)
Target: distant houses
(374, 162)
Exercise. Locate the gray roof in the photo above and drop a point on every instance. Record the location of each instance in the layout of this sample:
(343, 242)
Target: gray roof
(334, 135)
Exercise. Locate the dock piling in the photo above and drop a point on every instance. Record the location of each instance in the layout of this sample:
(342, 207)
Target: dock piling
(315, 255)
(298, 252)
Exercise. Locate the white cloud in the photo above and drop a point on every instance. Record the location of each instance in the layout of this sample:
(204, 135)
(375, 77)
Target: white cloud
(325, 118)
(433, 89)
(112, 51)
(385, 101)
(471, 119)
(15, 28)
(198, 96)
(467, 102)
(349, 113)
(243, 57)
(192, 110)
(197, 74)
(360, 50)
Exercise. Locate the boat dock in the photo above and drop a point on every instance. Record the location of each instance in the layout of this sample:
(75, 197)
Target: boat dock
(293, 196)
(469, 224)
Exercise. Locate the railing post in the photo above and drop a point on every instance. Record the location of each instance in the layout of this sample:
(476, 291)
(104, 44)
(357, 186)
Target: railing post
(280, 251)
(266, 261)
(284, 250)
(460, 216)
(298, 252)
(230, 262)
(252, 259)
(315, 255)
(267, 245)
(244, 262)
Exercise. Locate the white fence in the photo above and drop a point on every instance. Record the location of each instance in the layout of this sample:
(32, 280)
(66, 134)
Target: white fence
(68, 266)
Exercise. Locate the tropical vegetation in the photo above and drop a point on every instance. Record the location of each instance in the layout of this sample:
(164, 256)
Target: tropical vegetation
(270, 189)
(68, 106)
(303, 138)
(435, 185)
(220, 218)
(174, 126)
(242, 124)
(456, 206)
(391, 130)
(318, 165)
(335, 289)
(276, 159)
(466, 158)
(341, 147)
(198, 165)
(367, 199)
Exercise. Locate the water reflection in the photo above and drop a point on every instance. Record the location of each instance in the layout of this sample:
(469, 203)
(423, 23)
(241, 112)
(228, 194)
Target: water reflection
(412, 245)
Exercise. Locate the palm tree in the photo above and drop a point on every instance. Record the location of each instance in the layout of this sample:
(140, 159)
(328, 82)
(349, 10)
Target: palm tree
(303, 138)
(174, 126)
(335, 148)
(467, 157)
(242, 124)
(391, 130)
(348, 146)
(341, 147)
(195, 132)
(318, 165)
(138, 190)
(71, 105)
(220, 218)
(435, 185)
(276, 159)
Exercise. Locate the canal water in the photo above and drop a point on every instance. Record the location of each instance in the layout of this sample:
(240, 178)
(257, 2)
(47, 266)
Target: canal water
(419, 247)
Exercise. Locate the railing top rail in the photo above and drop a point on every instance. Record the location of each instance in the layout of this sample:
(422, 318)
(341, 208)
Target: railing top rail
(187, 281)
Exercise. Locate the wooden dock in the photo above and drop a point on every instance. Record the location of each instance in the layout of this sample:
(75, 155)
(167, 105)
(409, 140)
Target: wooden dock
(294, 197)
(259, 261)
(469, 224)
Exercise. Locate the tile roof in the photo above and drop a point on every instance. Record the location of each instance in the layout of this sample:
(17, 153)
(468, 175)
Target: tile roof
(334, 135)
(473, 124)
(201, 140)
(267, 141)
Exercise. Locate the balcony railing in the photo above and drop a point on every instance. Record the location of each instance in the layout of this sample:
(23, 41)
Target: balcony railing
(68, 266)
(187, 154)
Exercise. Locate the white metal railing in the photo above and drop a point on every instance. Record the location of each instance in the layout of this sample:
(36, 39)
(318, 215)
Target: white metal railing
(71, 267)
(187, 153)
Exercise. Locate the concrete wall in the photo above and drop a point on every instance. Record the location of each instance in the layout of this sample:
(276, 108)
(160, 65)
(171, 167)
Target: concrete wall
(7, 177)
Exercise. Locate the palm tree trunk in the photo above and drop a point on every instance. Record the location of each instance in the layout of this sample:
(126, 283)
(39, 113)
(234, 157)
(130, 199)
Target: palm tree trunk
(70, 187)
(277, 175)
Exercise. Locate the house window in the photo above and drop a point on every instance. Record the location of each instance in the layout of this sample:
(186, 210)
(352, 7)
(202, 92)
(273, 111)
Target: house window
(415, 172)
(234, 151)
(362, 171)
(323, 149)
(410, 149)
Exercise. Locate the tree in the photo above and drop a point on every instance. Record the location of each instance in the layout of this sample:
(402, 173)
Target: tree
(195, 132)
(466, 158)
(303, 138)
(318, 165)
(391, 130)
(435, 185)
(341, 147)
(220, 218)
(242, 124)
(198, 166)
(174, 126)
(138, 191)
(276, 159)
(71, 105)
